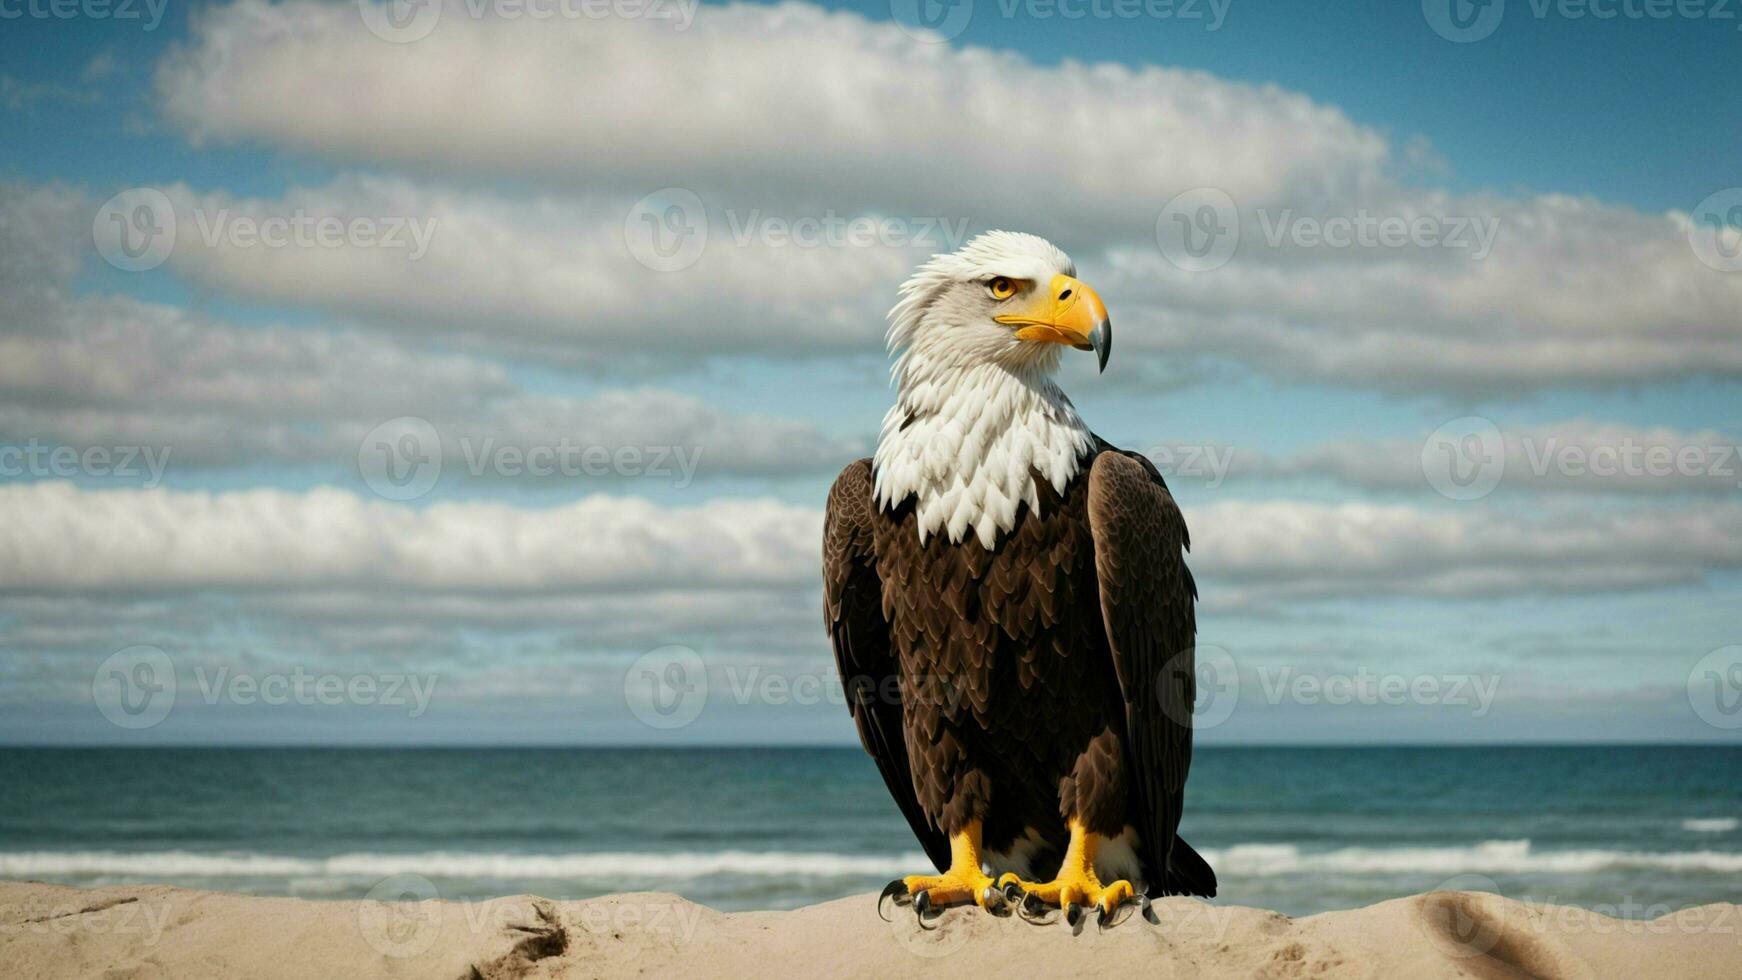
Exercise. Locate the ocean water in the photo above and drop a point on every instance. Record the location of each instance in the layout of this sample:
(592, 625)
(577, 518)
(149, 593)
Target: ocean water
(1633, 831)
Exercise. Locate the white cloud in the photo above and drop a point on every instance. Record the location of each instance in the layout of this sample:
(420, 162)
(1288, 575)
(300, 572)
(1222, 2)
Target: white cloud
(547, 277)
(878, 120)
(1569, 291)
(156, 541)
(1572, 456)
(328, 542)
(1271, 551)
(115, 371)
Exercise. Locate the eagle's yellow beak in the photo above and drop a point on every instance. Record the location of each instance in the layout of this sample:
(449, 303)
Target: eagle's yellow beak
(1067, 311)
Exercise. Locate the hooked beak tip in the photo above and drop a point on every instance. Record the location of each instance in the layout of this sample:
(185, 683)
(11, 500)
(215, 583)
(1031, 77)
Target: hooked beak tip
(1101, 341)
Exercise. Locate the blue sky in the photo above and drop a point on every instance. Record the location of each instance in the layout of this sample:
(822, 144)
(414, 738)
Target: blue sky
(1592, 603)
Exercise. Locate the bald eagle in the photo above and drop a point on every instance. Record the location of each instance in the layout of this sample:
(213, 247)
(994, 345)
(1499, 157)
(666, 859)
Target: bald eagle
(1009, 604)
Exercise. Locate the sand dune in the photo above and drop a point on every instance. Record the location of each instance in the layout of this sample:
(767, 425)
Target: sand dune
(158, 931)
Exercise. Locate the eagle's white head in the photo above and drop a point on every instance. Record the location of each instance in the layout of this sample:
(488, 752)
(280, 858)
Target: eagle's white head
(979, 333)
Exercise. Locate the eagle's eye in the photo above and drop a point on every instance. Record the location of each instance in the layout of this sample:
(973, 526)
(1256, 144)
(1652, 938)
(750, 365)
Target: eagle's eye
(1001, 288)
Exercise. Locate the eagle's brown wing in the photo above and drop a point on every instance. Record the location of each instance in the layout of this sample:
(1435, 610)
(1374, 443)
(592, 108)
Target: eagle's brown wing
(853, 612)
(1146, 602)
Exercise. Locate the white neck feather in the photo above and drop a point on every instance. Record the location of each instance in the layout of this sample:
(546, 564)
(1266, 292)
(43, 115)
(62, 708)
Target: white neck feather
(963, 437)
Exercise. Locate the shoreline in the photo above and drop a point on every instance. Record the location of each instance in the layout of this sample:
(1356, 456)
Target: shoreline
(51, 930)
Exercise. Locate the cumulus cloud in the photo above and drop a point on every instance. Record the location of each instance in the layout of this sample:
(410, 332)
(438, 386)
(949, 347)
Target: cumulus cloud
(1574, 456)
(549, 278)
(1269, 551)
(330, 541)
(879, 120)
(155, 541)
(1498, 295)
(1473, 456)
(88, 371)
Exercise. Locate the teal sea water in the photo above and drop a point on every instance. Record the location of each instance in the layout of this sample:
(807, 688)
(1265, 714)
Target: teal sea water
(1629, 830)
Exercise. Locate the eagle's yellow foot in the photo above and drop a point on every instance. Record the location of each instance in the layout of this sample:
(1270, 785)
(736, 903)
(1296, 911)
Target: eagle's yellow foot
(1076, 886)
(964, 882)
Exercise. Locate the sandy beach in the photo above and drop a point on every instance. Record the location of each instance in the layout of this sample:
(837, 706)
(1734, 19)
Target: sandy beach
(158, 931)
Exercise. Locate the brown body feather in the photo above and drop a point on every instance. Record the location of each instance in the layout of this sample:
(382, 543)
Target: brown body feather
(1047, 678)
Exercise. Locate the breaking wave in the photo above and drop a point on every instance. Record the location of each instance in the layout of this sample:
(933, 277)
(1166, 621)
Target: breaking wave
(618, 865)
(1490, 857)
(1243, 860)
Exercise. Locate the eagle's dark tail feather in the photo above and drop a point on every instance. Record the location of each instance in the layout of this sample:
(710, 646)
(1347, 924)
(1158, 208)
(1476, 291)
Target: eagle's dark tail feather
(1187, 873)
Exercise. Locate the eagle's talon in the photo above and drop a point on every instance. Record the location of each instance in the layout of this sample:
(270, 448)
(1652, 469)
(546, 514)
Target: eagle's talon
(1036, 912)
(1148, 908)
(1073, 915)
(896, 890)
(993, 901)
